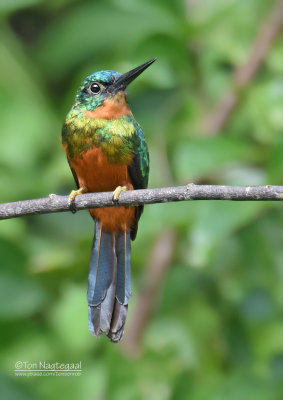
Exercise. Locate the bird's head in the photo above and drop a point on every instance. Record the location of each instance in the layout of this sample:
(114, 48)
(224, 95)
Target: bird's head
(104, 92)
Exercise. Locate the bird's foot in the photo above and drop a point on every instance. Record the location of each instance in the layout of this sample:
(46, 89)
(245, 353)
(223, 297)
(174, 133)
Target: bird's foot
(72, 196)
(117, 192)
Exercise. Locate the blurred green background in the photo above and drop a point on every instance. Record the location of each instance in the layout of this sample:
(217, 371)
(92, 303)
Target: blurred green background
(216, 330)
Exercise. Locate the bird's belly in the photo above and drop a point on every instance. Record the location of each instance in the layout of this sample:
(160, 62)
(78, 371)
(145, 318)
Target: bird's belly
(95, 173)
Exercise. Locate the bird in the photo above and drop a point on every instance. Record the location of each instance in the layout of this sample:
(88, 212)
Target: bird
(106, 151)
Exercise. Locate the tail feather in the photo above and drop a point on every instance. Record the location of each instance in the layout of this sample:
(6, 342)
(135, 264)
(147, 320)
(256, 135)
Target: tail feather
(118, 322)
(109, 287)
(123, 252)
(101, 265)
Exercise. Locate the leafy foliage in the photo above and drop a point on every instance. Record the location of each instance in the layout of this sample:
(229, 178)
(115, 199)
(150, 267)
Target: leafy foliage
(217, 330)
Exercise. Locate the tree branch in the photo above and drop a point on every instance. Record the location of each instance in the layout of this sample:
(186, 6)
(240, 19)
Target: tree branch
(244, 74)
(55, 203)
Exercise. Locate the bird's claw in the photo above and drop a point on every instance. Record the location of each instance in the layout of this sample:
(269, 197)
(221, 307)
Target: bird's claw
(117, 192)
(72, 206)
(72, 196)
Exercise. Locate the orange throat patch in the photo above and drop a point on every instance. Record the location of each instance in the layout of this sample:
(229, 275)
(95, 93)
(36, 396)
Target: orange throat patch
(112, 108)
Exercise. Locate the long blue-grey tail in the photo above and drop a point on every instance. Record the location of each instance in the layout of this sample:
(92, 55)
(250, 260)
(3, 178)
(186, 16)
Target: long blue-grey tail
(109, 283)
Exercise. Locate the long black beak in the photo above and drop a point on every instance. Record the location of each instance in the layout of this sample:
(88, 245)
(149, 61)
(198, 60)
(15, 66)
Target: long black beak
(128, 77)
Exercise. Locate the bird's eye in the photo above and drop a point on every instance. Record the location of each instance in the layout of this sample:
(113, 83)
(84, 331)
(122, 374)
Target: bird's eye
(95, 88)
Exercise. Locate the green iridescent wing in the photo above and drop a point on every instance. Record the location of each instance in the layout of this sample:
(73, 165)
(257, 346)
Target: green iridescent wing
(138, 171)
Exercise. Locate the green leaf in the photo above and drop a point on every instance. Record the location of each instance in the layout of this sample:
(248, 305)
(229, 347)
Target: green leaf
(214, 221)
(66, 41)
(70, 314)
(9, 6)
(195, 158)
